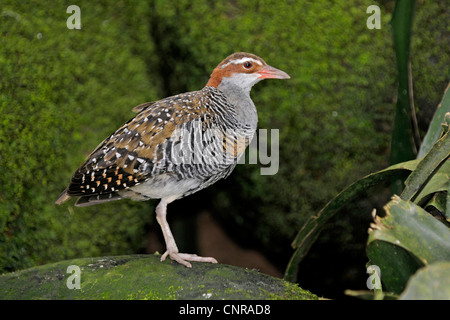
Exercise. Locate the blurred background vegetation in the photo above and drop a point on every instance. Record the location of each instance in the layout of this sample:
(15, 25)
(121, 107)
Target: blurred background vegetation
(62, 91)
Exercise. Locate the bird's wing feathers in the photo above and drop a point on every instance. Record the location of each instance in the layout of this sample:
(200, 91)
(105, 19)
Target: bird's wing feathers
(143, 106)
(129, 156)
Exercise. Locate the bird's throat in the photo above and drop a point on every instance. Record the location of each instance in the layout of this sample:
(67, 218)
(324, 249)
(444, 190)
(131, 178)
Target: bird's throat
(239, 97)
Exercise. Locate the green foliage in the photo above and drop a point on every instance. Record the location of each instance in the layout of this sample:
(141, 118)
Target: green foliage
(61, 91)
(431, 74)
(403, 132)
(429, 283)
(429, 177)
(439, 119)
(408, 237)
(310, 231)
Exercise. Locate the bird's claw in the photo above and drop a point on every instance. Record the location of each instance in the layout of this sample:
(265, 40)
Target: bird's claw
(183, 258)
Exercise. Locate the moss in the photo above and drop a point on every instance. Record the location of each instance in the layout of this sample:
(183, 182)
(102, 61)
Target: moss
(144, 277)
(52, 78)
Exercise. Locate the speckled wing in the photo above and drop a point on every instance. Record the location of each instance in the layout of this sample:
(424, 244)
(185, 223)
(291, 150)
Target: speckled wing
(131, 155)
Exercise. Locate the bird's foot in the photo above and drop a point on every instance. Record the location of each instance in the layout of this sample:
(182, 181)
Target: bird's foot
(183, 258)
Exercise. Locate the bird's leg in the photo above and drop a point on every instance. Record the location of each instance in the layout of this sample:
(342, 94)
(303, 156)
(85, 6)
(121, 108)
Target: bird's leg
(171, 246)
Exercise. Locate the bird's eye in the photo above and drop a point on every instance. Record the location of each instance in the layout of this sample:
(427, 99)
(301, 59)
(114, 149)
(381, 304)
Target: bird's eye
(247, 65)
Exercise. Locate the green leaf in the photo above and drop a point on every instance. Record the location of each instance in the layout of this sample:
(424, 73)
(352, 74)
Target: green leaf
(439, 202)
(395, 263)
(426, 168)
(410, 227)
(447, 210)
(311, 229)
(407, 238)
(429, 283)
(435, 128)
(439, 182)
(402, 145)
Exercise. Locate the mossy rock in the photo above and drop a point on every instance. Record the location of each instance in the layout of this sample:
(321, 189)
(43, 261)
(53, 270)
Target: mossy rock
(144, 277)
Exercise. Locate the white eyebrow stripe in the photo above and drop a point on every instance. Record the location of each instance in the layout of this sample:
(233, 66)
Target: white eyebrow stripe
(242, 60)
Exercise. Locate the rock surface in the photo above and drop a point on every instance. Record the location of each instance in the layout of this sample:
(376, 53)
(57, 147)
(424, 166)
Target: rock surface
(144, 277)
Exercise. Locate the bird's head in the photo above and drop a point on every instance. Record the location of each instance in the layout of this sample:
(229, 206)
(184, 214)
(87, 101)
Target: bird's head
(243, 70)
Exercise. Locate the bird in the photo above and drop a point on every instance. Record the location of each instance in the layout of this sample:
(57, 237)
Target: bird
(176, 146)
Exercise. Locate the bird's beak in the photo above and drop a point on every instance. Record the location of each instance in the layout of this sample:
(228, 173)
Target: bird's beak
(269, 72)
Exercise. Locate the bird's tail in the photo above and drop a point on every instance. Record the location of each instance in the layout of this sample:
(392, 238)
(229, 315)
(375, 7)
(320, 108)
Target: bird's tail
(85, 201)
(63, 197)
